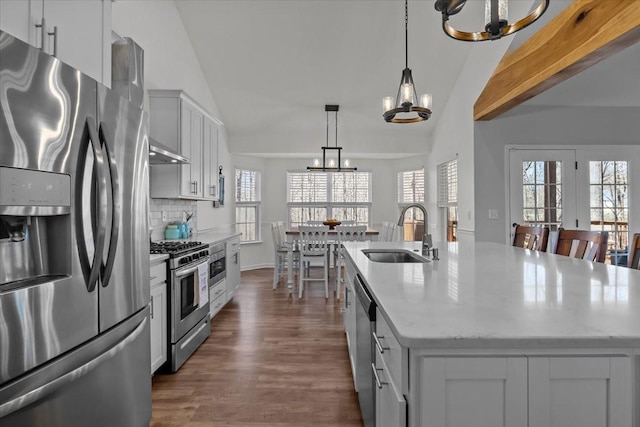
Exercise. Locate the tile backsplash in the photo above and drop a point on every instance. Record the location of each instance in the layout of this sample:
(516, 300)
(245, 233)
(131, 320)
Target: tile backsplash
(173, 208)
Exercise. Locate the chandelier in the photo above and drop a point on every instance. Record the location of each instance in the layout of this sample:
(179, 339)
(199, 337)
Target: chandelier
(329, 163)
(406, 100)
(495, 18)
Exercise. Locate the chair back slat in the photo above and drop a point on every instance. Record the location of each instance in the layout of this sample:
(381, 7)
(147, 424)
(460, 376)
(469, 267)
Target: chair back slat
(534, 238)
(313, 240)
(350, 233)
(583, 244)
(633, 260)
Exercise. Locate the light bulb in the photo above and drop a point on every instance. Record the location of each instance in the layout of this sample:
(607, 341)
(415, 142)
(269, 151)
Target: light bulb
(502, 11)
(406, 93)
(387, 103)
(346, 163)
(316, 163)
(332, 163)
(425, 100)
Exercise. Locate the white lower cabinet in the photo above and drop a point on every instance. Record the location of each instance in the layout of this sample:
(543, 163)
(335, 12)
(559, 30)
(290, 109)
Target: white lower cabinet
(391, 406)
(525, 391)
(158, 316)
(217, 297)
(350, 316)
(233, 266)
(580, 391)
(479, 392)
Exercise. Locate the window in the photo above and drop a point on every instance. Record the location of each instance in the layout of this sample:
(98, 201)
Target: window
(248, 205)
(609, 203)
(448, 197)
(411, 190)
(316, 196)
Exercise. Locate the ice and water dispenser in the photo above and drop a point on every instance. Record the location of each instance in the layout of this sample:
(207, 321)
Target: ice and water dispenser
(35, 226)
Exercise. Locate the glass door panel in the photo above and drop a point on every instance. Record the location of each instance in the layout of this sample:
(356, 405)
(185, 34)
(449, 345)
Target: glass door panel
(542, 188)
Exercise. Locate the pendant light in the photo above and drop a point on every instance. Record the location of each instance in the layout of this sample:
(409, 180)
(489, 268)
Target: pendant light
(495, 17)
(406, 102)
(332, 165)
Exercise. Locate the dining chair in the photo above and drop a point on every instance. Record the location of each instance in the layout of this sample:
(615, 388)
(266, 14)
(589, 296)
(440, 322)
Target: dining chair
(529, 237)
(583, 244)
(633, 258)
(281, 252)
(313, 247)
(315, 223)
(345, 233)
(388, 231)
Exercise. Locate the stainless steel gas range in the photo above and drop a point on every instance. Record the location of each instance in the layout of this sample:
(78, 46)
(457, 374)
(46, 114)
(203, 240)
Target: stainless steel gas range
(188, 290)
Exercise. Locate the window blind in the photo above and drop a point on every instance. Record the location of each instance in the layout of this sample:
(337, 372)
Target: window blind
(448, 184)
(350, 187)
(411, 186)
(305, 187)
(247, 187)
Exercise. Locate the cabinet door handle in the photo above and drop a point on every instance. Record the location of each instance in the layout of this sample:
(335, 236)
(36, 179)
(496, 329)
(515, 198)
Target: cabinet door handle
(55, 40)
(381, 349)
(42, 25)
(151, 306)
(379, 383)
(196, 187)
(212, 190)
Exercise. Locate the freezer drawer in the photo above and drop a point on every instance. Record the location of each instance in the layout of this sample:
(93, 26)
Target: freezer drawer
(100, 384)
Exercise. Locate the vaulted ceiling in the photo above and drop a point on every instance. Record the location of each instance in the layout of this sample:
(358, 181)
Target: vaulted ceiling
(272, 65)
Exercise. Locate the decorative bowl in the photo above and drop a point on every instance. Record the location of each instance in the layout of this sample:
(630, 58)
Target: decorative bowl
(331, 223)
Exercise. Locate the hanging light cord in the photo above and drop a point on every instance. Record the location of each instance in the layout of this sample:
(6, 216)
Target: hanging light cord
(327, 128)
(406, 34)
(337, 130)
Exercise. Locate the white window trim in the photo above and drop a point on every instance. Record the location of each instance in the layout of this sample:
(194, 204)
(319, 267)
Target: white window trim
(257, 204)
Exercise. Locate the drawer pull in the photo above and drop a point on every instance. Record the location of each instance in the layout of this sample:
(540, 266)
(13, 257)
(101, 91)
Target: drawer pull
(381, 349)
(379, 383)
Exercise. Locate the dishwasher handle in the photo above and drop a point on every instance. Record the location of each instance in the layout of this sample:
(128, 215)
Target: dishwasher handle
(365, 298)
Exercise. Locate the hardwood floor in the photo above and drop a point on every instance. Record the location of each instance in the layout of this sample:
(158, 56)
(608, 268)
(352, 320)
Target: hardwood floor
(271, 360)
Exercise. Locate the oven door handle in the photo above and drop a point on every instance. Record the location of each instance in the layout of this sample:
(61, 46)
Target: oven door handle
(190, 270)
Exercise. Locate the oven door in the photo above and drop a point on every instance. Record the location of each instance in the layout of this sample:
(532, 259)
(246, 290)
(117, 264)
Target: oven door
(186, 308)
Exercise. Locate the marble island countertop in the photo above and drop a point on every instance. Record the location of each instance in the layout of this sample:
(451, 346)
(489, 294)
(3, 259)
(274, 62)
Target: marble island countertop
(494, 295)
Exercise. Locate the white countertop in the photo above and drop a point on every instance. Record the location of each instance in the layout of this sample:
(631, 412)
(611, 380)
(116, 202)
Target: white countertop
(494, 295)
(214, 236)
(157, 259)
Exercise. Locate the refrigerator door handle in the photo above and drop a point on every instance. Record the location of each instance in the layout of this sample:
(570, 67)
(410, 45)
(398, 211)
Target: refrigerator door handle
(91, 269)
(115, 207)
(45, 390)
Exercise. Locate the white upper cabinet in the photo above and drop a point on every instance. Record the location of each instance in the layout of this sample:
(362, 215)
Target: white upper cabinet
(182, 125)
(210, 159)
(76, 32)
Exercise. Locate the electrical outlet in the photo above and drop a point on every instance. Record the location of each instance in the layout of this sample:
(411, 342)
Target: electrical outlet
(165, 216)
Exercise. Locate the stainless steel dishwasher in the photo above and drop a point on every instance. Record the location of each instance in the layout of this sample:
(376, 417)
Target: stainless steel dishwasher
(365, 327)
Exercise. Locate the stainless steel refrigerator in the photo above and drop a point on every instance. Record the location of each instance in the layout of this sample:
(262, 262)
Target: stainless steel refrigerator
(74, 247)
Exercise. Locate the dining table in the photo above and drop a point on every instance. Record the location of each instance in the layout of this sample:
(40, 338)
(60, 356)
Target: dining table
(293, 235)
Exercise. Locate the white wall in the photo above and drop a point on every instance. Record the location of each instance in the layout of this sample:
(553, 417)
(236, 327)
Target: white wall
(171, 63)
(454, 136)
(579, 126)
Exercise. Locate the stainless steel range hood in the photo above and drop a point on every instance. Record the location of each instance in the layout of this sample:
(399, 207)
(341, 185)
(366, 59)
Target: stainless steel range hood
(161, 154)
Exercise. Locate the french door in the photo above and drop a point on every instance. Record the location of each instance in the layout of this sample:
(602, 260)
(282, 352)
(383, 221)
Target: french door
(581, 188)
(542, 188)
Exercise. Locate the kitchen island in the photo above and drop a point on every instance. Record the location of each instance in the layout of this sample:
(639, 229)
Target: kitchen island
(492, 335)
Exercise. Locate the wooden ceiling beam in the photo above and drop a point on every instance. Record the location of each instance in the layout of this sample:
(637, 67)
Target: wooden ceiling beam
(583, 34)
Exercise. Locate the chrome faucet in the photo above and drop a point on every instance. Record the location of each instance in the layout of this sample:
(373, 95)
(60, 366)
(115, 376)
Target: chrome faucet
(426, 237)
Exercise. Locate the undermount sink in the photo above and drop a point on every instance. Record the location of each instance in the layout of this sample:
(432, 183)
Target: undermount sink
(393, 256)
